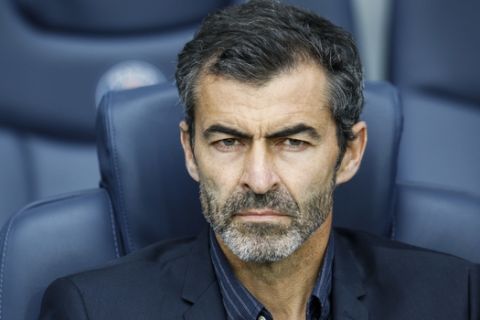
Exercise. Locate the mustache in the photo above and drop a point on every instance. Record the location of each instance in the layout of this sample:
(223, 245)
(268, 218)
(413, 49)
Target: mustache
(277, 200)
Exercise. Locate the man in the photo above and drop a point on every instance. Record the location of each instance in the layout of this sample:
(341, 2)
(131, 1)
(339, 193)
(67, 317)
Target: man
(273, 97)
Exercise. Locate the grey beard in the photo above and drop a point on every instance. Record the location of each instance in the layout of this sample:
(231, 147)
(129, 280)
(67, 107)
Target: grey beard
(265, 242)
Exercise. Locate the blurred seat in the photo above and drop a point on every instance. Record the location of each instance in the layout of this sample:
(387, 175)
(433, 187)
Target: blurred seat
(340, 12)
(51, 238)
(367, 201)
(435, 49)
(438, 198)
(142, 166)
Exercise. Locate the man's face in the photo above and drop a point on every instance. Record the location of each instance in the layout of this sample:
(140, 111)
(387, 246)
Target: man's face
(265, 158)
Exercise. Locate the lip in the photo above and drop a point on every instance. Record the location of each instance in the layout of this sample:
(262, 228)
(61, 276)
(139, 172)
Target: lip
(262, 212)
(264, 215)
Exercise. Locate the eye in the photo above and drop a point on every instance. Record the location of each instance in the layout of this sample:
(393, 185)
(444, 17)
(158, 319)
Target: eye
(225, 145)
(293, 144)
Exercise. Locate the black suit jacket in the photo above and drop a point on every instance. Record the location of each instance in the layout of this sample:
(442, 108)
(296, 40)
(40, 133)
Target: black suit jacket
(373, 278)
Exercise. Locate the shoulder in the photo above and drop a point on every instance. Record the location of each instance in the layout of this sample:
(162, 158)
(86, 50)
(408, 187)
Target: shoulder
(159, 256)
(413, 279)
(399, 266)
(366, 246)
(144, 280)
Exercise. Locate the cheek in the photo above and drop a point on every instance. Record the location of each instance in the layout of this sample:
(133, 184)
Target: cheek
(222, 177)
(304, 175)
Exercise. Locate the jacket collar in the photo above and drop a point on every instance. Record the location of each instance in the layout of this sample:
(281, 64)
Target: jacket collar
(202, 291)
(348, 284)
(201, 287)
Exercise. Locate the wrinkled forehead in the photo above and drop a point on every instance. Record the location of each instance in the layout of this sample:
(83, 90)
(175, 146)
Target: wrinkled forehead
(297, 95)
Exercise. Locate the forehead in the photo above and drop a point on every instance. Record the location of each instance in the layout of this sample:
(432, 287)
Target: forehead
(297, 95)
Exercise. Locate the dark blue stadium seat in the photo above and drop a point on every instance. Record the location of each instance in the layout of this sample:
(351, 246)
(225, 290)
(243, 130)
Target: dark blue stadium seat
(339, 12)
(49, 239)
(367, 201)
(142, 166)
(59, 57)
(440, 219)
(435, 49)
(440, 144)
(438, 204)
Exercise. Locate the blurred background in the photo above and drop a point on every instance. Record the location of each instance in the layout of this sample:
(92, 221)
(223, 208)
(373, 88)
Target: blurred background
(58, 58)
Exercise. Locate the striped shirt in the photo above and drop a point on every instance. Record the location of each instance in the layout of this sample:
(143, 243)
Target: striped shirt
(240, 304)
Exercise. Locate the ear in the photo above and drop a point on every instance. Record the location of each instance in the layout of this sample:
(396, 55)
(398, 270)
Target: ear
(190, 162)
(353, 153)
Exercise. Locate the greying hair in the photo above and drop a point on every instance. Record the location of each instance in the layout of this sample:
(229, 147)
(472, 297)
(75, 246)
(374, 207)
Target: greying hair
(258, 40)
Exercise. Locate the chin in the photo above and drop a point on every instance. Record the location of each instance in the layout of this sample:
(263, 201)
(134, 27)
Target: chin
(261, 242)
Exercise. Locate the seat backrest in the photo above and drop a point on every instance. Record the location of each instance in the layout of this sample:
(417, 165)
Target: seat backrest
(50, 239)
(438, 203)
(367, 201)
(339, 12)
(143, 167)
(435, 47)
(34, 164)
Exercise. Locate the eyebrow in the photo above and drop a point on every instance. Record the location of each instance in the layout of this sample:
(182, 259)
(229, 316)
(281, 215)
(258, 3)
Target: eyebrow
(218, 128)
(285, 132)
(293, 130)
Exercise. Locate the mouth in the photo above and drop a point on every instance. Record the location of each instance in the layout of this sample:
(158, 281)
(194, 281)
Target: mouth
(262, 215)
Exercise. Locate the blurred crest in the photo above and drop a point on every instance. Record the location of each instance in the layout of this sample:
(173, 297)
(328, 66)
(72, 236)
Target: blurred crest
(128, 75)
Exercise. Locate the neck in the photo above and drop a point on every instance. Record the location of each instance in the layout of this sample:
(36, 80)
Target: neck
(285, 286)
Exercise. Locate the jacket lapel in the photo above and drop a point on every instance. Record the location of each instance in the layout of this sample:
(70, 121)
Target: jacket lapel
(201, 287)
(348, 287)
(202, 292)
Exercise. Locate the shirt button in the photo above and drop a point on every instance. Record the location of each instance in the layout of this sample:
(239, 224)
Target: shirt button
(261, 318)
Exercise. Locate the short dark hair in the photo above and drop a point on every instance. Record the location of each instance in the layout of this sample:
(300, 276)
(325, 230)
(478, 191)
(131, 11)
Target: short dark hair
(257, 40)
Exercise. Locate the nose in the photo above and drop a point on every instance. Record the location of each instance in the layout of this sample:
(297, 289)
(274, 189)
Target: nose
(259, 172)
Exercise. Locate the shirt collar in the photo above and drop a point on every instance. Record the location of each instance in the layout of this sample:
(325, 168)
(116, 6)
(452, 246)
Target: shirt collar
(323, 285)
(241, 304)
